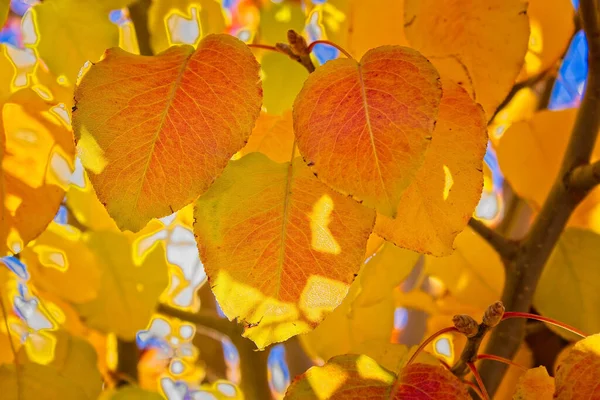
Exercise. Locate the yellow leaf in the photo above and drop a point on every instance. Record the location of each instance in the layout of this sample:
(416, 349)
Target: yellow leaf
(66, 34)
(276, 246)
(374, 118)
(459, 35)
(4, 9)
(578, 375)
(571, 272)
(173, 22)
(71, 374)
(130, 285)
(190, 111)
(552, 27)
(440, 200)
(129, 393)
(367, 313)
(273, 136)
(359, 26)
(36, 167)
(60, 263)
(346, 377)
(535, 384)
(474, 273)
(282, 80)
(7, 72)
(277, 19)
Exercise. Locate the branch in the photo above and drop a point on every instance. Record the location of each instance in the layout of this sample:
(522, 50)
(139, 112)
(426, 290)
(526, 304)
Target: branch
(138, 12)
(585, 177)
(507, 248)
(205, 319)
(534, 251)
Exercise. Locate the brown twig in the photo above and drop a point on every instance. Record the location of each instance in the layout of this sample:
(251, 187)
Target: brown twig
(138, 12)
(585, 177)
(507, 248)
(527, 265)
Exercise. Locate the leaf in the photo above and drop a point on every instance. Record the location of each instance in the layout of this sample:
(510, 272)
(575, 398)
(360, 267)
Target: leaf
(68, 34)
(552, 27)
(7, 70)
(359, 26)
(129, 393)
(130, 285)
(459, 35)
(578, 375)
(440, 200)
(72, 373)
(276, 246)
(277, 19)
(474, 273)
(345, 377)
(572, 272)
(535, 384)
(359, 377)
(282, 80)
(273, 136)
(36, 167)
(4, 9)
(183, 22)
(186, 111)
(366, 316)
(374, 118)
(60, 262)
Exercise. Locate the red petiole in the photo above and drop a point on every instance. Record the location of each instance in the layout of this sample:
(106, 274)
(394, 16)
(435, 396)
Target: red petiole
(514, 314)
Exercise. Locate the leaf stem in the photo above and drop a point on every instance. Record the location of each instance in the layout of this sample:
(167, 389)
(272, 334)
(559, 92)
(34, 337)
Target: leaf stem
(266, 47)
(500, 359)
(429, 340)
(473, 369)
(327, 42)
(535, 249)
(474, 387)
(505, 247)
(551, 321)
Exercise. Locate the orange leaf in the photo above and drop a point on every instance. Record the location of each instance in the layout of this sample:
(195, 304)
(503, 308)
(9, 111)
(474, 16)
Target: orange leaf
(273, 136)
(480, 43)
(36, 166)
(578, 376)
(439, 202)
(154, 132)
(353, 377)
(277, 247)
(366, 126)
(535, 384)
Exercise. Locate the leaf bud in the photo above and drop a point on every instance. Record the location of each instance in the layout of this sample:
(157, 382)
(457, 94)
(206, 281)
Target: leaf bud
(465, 325)
(493, 315)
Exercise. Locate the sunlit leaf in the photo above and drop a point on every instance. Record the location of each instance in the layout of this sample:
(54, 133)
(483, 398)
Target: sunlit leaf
(572, 271)
(482, 40)
(367, 313)
(7, 72)
(129, 393)
(36, 166)
(282, 80)
(183, 22)
(72, 373)
(440, 201)
(154, 132)
(474, 273)
(60, 262)
(374, 118)
(578, 375)
(276, 246)
(552, 27)
(359, 26)
(535, 384)
(67, 34)
(129, 288)
(360, 377)
(273, 136)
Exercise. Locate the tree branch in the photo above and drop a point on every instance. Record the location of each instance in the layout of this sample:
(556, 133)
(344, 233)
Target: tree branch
(534, 251)
(138, 12)
(507, 248)
(585, 177)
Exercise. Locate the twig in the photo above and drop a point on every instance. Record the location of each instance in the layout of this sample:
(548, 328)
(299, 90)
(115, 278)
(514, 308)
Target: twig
(535, 249)
(585, 177)
(138, 12)
(206, 319)
(507, 248)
